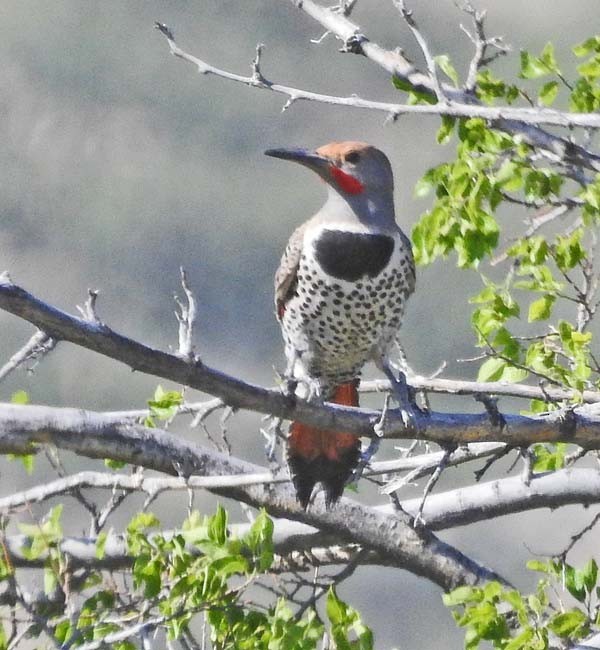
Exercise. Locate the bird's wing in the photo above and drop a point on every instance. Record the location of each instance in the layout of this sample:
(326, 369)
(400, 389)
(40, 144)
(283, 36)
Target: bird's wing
(412, 270)
(286, 275)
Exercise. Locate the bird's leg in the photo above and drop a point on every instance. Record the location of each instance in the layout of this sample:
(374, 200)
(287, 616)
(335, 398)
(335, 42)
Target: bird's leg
(403, 393)
(290, 381)
(297, 382)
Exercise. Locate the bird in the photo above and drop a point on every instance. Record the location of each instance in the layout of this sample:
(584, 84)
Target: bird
(340, 293)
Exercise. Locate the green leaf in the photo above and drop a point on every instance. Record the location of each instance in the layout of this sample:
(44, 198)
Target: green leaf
(541, 308)
(217, 526)
(532, 67)
(148, 574)
(491, 369)
(336, 609)
(590, 69)
(548, 93)
(401, 84)
(489, 87)
(521, 641)
(585, 97)
(50, 581)
(548, 457)
(573, 580)
(114, 464)
(569, 624)
(414, 96)
(462, 595)
(510, 176)
(260, 540)
(538, 565)
(142, 521)
(19, 397)
(230, 565)
(487, 294)
(63, 631)
(445, 131)
(590, 575)
(101, 544)
(513, 375)
(348, 632)
(27, 460)
(443, 61)
(42, 536)
(548, 59)
(6, 568)
(164, 405)
(587, 47)
(568, 251)
(422, 188)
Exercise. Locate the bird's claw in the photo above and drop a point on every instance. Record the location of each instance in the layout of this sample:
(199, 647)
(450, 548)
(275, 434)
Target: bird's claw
(410, 416)
(310, 389)
(313, 391)
(405, 396)
(288, 387)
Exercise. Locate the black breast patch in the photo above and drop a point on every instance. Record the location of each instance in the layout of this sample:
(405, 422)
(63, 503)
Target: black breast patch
(351, 255)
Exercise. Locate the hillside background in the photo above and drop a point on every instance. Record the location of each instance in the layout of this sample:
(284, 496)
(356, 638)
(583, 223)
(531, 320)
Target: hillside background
(119, 164)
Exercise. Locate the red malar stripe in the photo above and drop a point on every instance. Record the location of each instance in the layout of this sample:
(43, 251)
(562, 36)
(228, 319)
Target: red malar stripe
(346, 182)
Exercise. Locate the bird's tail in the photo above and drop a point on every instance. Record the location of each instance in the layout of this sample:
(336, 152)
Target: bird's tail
(320, 456)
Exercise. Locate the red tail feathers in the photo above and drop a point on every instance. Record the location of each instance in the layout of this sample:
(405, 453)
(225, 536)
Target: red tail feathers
(326, 457)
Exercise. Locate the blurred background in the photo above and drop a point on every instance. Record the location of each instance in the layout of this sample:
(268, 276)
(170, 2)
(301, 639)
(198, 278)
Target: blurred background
(120, 164)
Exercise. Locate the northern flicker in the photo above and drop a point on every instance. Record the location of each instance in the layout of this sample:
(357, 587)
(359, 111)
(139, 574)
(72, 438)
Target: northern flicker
(340, 292)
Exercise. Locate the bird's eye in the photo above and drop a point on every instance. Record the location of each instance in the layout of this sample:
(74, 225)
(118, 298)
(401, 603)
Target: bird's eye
(352, 157)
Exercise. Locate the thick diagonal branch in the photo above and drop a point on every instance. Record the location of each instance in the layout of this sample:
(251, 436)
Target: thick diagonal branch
(88, 434)
(581, 427)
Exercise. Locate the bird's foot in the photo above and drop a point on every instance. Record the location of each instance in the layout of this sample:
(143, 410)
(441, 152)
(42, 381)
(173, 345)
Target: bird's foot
(310, 389)
(288, 386)
(410, 412)
(304, 388)
(314, 395)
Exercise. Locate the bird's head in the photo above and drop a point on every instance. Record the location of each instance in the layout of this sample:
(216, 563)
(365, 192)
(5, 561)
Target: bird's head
(350, 168)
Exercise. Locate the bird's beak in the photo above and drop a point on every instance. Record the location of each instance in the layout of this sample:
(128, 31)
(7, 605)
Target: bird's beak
(305, 157)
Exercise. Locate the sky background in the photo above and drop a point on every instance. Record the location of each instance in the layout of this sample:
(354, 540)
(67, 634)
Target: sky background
(120, 164)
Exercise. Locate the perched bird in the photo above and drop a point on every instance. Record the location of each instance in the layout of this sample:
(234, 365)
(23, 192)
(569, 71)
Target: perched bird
(340, 292)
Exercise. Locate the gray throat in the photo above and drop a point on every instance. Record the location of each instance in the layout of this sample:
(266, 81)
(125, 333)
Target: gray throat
(375, 210)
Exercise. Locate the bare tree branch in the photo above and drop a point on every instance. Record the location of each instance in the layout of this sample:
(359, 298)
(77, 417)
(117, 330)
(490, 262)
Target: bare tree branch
(124, 634)
(444, 386)
(392, 535)
(186, 317)
(464, 387)
(502, 117)
(153, 485)
(395, 63)
(591, 643)
(408, 17)
(38, 345)
(458, 507)
(580, 426)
